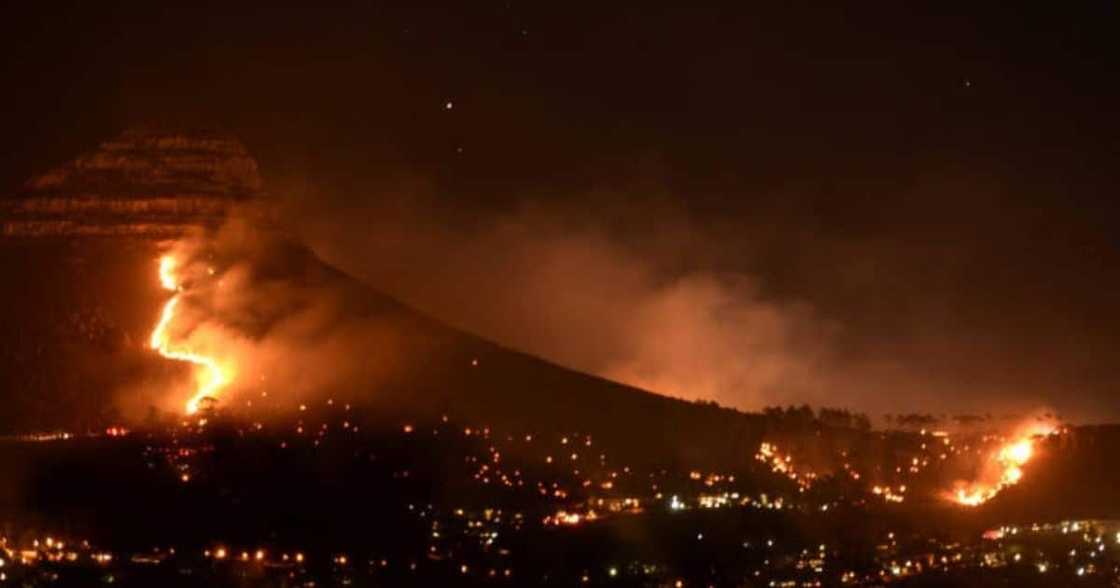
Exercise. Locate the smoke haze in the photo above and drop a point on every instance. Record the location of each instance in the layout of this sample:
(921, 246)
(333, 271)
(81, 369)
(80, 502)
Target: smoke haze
(643, 291)
(276, 320)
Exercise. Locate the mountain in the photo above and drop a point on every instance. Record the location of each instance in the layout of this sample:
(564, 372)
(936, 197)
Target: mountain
(80, 245)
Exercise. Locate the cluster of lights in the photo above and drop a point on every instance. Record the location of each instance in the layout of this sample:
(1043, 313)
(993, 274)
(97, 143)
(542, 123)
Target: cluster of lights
(769, 454)
(890, 494)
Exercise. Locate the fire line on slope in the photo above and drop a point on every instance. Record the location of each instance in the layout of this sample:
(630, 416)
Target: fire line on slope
(210, 376)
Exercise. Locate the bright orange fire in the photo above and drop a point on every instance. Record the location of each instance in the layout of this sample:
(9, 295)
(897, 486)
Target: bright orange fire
(1010, 459)
(211, 376)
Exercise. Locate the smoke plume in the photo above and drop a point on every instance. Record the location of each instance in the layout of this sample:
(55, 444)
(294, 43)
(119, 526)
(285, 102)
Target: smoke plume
(616, 292)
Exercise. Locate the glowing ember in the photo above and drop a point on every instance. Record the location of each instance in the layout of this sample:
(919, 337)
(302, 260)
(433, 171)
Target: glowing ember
(212, 377)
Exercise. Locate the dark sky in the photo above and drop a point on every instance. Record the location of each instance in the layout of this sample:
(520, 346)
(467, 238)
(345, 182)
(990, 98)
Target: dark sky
(892, 207)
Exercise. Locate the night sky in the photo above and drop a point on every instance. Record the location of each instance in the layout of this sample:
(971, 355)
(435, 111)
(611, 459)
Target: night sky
(888, 207)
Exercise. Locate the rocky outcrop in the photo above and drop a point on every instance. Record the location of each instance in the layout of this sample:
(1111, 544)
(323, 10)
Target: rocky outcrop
(144, 183)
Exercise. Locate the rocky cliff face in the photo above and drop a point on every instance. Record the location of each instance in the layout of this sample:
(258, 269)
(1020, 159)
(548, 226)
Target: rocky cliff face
(78, 251)
(144, 183)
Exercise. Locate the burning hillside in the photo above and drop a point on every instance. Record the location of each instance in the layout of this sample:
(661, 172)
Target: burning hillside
(240, 318)
(1003, 467)
(250, 319)
(240, 304)
(77, 246)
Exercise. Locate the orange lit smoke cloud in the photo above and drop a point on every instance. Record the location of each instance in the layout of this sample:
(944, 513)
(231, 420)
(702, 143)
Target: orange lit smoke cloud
(258, 317)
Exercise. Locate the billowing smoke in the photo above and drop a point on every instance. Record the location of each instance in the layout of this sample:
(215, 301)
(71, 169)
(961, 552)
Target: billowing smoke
(275, 320)
(614, 291)
(753, 310)
(640, 290)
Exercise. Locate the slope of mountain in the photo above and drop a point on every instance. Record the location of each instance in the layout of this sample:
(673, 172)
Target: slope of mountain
(81, 241)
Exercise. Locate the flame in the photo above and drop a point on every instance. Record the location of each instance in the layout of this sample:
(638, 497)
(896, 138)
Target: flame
(166, 275)
(212, 377)
(1010, 459)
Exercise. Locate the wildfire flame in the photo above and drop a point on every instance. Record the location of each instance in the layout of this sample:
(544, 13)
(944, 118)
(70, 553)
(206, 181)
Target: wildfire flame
(1010, 459)
(211, 376)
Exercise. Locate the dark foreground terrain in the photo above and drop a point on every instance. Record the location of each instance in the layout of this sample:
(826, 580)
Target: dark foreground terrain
(335, 495)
